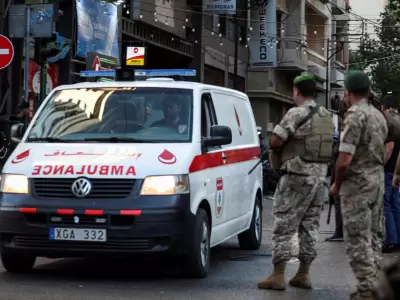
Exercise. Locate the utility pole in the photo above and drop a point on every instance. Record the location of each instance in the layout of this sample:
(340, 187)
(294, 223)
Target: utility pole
(328, 58)
(235, 66)
(362, 35)
(328, 84)
(197, 23)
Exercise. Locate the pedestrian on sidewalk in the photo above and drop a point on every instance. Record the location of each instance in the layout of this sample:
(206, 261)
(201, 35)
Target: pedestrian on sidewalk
(298, 199)
(391, 201)
(359, 180)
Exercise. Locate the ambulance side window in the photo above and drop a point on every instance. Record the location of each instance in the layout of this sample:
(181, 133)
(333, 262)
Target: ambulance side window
(208, 116)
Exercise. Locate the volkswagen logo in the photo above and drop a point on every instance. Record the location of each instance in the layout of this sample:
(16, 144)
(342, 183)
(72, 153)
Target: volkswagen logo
(81, 187)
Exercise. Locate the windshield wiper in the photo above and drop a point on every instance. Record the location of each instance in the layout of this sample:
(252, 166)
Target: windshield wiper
(49, 140)
(118, 139)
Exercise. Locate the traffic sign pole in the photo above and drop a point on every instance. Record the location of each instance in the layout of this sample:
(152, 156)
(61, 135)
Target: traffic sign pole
(43, 76)
(27, 36)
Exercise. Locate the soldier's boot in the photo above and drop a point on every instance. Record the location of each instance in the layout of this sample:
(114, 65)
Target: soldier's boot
(302, 278)
(276, 281)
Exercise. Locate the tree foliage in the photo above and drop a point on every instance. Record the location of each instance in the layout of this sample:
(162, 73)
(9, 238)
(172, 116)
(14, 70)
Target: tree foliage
(380, 56)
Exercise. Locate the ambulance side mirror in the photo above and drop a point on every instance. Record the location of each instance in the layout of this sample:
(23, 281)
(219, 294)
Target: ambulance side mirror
(219, 136)
(16, 132)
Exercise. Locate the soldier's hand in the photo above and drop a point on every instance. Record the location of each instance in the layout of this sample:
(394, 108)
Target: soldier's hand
(396, 180)
(334, 191)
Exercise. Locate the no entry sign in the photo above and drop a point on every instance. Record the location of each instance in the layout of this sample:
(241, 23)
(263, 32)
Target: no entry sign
(6, 52)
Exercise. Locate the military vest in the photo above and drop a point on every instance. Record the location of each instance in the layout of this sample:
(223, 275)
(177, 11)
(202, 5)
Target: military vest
(317, 146)
(393, 123)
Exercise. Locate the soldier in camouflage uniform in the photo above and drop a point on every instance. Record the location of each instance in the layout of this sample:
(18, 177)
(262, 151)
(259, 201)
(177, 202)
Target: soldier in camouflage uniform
(359, 180)
(298, 201)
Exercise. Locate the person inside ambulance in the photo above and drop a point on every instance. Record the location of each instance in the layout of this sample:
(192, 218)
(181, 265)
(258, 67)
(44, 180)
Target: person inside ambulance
(172, 116)
(120, 117)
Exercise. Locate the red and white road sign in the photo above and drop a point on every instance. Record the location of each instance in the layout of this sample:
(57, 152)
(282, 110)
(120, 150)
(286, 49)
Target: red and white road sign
(6, 51)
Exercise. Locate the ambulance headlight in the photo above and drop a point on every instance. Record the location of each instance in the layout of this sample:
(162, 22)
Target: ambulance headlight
(14, 184)
(166, 185)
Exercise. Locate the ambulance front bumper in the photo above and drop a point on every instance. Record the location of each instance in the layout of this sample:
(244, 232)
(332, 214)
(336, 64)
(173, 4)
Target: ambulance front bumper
(147, 224)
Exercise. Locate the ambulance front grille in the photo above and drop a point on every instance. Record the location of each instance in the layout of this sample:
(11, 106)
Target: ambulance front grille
(101, 188)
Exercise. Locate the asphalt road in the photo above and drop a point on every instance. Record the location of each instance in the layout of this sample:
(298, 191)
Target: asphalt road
(234, 276)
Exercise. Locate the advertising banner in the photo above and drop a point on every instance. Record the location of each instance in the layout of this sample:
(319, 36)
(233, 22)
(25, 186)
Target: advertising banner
(219, 7)
(99, 62)
(135, 56)
(263, 47)
(97, 28)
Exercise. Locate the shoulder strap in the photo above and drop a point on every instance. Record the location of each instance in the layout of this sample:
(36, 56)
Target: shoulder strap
(312, 112)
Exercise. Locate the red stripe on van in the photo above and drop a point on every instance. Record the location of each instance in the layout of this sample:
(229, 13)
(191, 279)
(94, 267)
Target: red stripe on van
(28, 210)
(213, 160)
(94, 212)
(130, 212)
(65, 211)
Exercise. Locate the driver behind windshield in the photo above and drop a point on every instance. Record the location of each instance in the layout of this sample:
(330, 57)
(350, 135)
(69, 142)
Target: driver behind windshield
(171, 110)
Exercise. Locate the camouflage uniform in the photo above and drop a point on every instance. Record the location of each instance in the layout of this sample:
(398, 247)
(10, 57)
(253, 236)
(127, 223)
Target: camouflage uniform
(362, 191)
(298, 200)
(297, 204)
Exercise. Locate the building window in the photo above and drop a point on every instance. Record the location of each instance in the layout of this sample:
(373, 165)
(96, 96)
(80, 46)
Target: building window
(222, 21)
(126, 10)
(279, 24)
(214, 76)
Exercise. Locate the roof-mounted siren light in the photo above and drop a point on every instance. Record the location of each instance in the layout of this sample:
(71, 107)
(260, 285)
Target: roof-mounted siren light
(165, 74)
(129, 74)
(124, 74)
(160, 79)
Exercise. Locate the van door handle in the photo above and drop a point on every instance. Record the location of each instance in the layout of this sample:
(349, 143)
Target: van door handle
(223, 157)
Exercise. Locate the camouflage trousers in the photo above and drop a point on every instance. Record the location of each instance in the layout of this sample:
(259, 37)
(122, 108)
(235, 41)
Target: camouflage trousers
(363, 232)
(297, 208)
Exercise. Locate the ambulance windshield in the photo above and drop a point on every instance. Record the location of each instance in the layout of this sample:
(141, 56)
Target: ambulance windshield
(116, 114)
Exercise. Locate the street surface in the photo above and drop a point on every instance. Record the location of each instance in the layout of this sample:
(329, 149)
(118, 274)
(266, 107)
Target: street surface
(234, 275)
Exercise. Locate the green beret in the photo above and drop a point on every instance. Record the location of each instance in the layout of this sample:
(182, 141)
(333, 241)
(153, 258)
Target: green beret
(356, 80)
(302, 78)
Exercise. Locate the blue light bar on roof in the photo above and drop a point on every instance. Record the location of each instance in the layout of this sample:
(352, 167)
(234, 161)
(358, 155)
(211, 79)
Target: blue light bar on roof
(143, 73)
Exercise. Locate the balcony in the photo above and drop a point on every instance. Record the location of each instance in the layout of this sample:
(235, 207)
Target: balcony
(317, 67)
(336, 78)
(339, 7)
(155, 37)
(292, 59)
(319, 7)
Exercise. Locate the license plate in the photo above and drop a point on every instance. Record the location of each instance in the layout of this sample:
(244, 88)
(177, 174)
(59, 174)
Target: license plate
(78, 234)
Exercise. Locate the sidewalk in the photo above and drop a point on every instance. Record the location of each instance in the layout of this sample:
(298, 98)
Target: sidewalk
(331, 275)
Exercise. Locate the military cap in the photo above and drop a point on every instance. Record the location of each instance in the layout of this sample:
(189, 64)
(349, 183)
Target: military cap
(303, 77)
(356, 80)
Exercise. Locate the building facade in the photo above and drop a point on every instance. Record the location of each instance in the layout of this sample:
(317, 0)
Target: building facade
(179, 34)
(305, 44)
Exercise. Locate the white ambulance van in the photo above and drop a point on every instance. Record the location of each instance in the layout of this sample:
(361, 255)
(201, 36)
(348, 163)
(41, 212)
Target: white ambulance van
(123, 168)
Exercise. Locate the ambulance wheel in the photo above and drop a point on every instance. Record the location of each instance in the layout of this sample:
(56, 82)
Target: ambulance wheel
(251, 238)
(17, 263)
(197, 261)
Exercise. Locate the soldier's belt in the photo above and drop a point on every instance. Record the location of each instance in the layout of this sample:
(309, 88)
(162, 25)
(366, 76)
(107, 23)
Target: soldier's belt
(284, 172)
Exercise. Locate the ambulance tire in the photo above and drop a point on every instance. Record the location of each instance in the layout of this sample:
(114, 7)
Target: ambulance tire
(252, 237)
(17, 263)
(197, 262)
